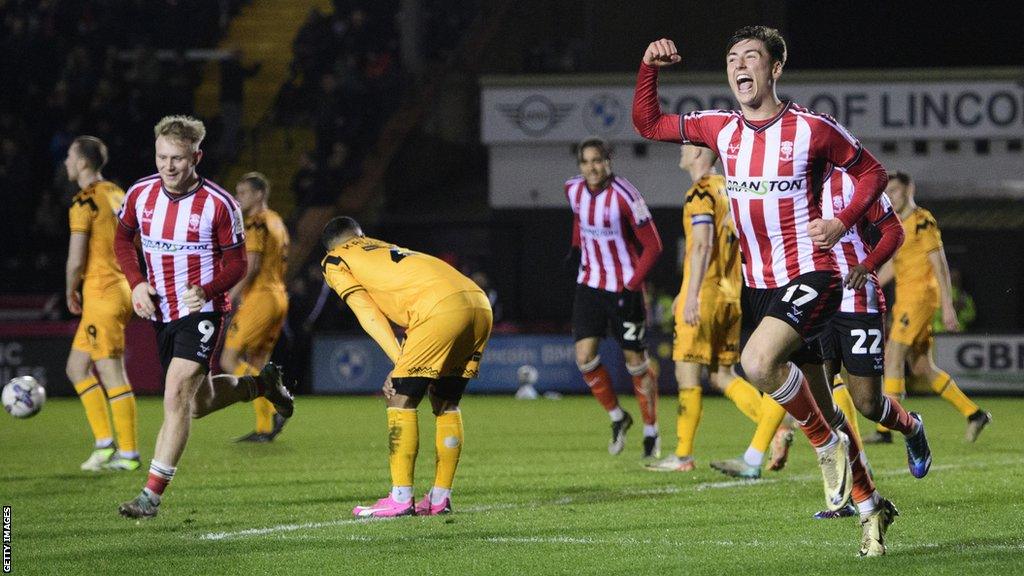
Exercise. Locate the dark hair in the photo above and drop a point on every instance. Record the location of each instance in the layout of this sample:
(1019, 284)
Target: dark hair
(901, 177)
(772, 38)
(601, 145)
(93, 150)
(339, 226)
(257, 180)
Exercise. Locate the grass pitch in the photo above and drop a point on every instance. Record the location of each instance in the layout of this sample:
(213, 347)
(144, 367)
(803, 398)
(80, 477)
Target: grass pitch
(536, 493)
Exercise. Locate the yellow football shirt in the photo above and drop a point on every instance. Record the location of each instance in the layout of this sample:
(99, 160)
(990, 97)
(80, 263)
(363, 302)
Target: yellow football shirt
(94, 212)
(915, 278)
(708, 205)
(405, 285)
(266, 234)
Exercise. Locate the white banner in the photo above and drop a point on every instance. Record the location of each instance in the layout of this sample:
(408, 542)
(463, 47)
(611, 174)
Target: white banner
(871, 110)
(993, 364)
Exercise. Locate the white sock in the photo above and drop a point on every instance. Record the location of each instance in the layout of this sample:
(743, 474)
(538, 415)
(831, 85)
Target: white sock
(104, 443)
(753, 457)
(616, 414)
(868, 507)
(650, 430)
(401, 494)
(438, 495)
(828, 445)
(128, 455)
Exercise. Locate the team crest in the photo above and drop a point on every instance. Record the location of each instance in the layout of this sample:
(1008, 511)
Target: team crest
(786, 150)
(193, 222)
(837, 203)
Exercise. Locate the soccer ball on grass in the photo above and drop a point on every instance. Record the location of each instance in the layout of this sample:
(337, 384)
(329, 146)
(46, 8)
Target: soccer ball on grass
(23, 397)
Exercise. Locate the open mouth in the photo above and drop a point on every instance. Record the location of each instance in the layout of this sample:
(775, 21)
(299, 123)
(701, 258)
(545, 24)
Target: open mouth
(744, 84)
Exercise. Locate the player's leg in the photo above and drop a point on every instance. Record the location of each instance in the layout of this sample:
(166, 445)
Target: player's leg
(123, 409)
(109, 360)
(589, 325)
(628, 320)
(183, 378)
(90, 392)
(645, 389)
(785, 317)
(232, 362)
(403, 446)
(445, 395)
(923, 365)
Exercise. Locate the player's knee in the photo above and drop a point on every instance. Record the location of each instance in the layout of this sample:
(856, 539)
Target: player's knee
(870, 405)
(76, 370)
(756, 364)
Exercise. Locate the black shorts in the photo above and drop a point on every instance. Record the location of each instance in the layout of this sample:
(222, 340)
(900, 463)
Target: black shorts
(194, 337)
(449, 388)
(857, 340)
(598, 313)
(806, 304)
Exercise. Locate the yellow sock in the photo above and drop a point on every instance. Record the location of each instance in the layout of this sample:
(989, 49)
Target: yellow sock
(896, 387)
(403, 444)
(261, 406)
(745, 397)
(842, 398)
(95, 403)
(945, 386)
(772, 414)
(122, 408)
(690, 408)
(448, 443)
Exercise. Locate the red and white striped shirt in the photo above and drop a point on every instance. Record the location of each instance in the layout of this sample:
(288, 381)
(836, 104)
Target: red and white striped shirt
(774, 170)
(852, 249)
(613, 228)
(183, 239)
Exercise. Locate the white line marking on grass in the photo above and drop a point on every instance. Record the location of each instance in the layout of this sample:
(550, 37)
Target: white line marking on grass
(215, 536)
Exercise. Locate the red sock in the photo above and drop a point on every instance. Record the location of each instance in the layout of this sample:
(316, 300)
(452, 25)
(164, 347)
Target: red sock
(648, 400)
(895, 416)
(600, 383)
(159, 476)
(863, 485)
(795, 396)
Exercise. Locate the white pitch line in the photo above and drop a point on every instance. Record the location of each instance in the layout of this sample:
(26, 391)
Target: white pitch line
(215, 536)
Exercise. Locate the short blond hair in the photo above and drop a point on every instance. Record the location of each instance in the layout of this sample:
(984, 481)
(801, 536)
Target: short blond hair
(257, 180)
(182, 128)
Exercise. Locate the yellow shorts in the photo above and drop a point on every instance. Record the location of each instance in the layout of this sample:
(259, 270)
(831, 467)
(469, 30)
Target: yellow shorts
(450, 341)
(912, 324)
(257, 324)
(715, 340)
(106, 311)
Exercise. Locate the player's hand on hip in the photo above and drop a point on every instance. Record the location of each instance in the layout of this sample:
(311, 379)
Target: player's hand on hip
(825, 233)
(142, 301)
(857, 277)
(74, 299)
(194, 298)
(691, 311)
(662, 53)
(389, 387)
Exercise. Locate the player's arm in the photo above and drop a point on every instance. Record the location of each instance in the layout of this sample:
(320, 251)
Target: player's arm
(124, 250)
(891, 238)
(233, 267)
(78, 255)
(937, 258)
(374, 322)
(650, 241)
(648, 119)
(843, 150)
(886, 274)
(255, 262)
(699, 254)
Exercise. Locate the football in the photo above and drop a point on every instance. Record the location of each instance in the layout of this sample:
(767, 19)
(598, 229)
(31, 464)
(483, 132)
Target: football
(23, 397)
